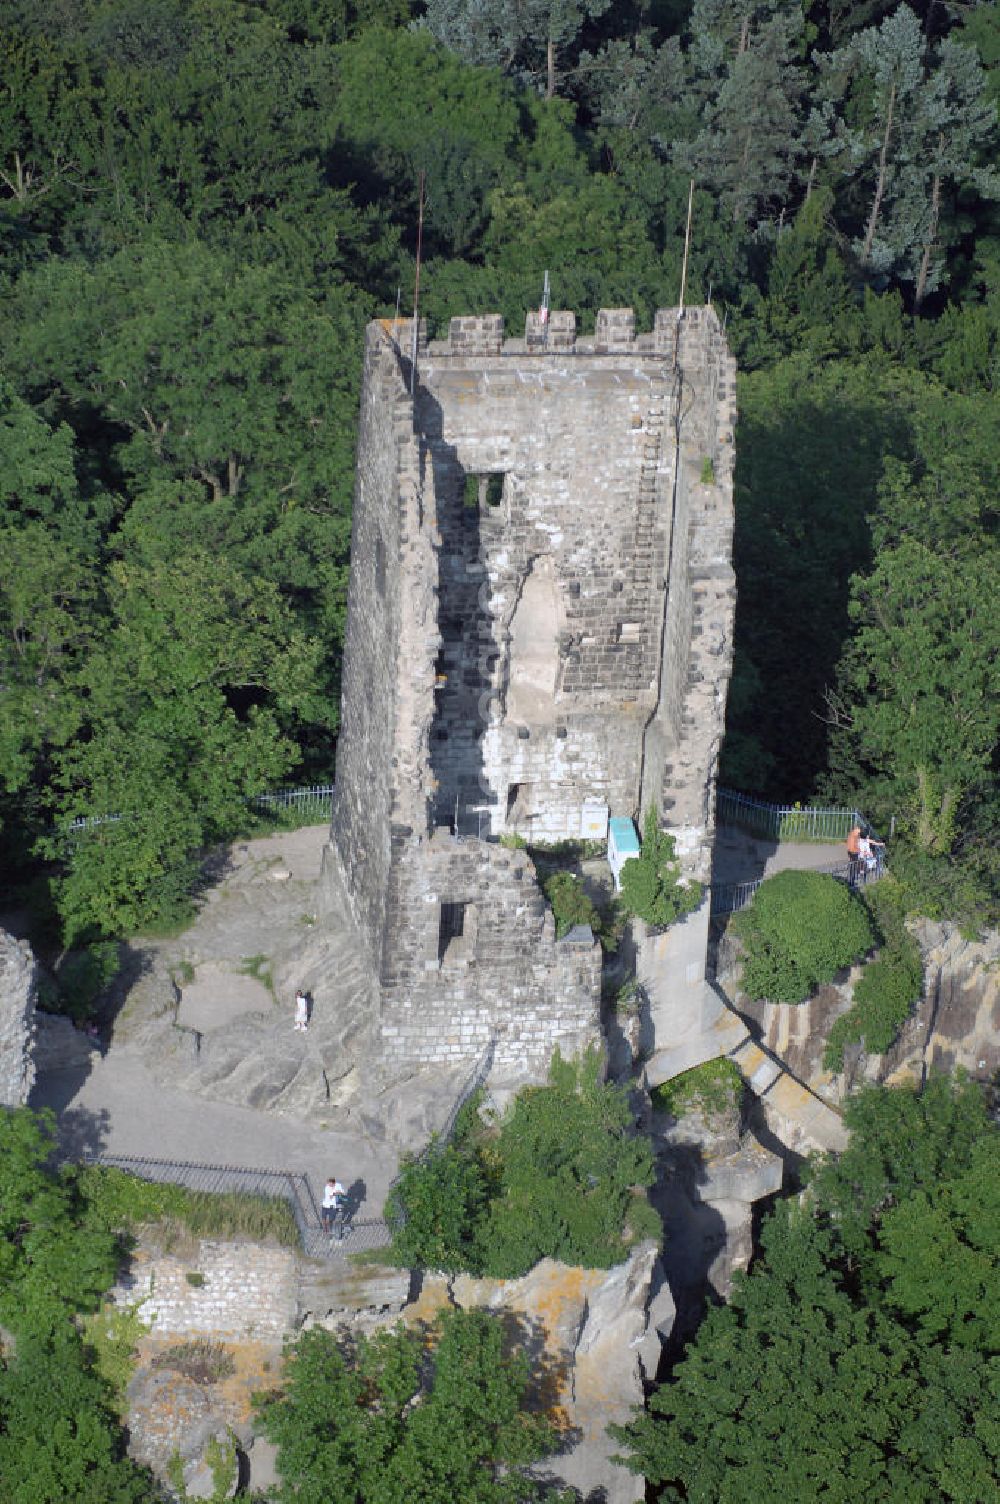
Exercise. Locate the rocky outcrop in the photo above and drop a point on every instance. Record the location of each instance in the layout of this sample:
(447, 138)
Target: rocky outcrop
(174, 1425)
(18, 990)
(796, 1033)
(957, 1022)
(595, 1335)
(709, 1175)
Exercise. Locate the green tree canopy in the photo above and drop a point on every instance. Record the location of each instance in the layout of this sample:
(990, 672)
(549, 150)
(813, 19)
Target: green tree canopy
(799, 930)
(438, 1416)
(815, 1384)
(59, 1436)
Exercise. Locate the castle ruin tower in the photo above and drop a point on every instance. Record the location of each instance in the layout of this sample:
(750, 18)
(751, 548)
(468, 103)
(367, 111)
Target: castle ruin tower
(539, 634)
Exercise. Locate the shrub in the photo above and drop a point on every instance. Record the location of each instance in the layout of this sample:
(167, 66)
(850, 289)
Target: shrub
(117, 1202)
(709, 1088)
(887, 989)
(799, 931)
(561, 1176)
(80, 980)
(570, 904)
(434, 1207)
(203, 1361)
(651, 884)
(568, 1166)
(111, 1337)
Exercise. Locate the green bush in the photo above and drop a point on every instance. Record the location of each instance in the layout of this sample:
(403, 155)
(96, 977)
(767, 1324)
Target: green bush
(80, 979)
(117, 1202)
(651, 884)
(434, 1208)
(709, 1088)
(561, 1175)
(799, 931)
(887, 989)
(570, 904)
(111, 1337)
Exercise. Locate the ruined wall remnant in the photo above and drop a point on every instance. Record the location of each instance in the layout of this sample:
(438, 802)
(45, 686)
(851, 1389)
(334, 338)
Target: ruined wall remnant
(18, 989)
(540, 615)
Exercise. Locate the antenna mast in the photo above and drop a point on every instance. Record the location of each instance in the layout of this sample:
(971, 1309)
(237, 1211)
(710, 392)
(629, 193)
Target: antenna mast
(687, 247)
(416, 289)
(543, 312)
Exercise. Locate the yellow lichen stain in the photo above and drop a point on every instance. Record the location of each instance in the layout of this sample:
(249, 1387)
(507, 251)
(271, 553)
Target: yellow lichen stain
(434, 1298)
(257, 1367)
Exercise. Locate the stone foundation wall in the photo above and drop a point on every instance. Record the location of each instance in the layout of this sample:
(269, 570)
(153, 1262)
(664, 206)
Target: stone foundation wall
(217, 1290)
(505, 978)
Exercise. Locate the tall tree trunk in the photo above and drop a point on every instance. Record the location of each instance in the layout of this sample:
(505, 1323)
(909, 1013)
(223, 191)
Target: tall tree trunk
(744, 37)
(925, 260)
(550, 57)
(880, 184)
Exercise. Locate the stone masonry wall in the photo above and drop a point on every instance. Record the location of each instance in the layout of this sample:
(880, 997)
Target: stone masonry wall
(505, 978)
(685, 735)
(241, 1291)
(18, 987)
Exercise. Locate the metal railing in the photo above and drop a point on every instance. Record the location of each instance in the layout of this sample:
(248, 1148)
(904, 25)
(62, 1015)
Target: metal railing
(359, 1235)
(311, 805)
(729, 898)
(784, 822)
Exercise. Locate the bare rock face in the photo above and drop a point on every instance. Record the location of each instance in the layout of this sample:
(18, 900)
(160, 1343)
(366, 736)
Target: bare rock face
(60, 1046)
(796, 1033)
(710, 1174)
(18, 991)
(596, 1335)
(957, 1022)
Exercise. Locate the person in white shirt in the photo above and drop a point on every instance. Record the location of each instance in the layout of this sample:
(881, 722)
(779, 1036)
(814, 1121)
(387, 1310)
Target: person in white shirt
(301, 1011)
(332, 1209)
(866, 852)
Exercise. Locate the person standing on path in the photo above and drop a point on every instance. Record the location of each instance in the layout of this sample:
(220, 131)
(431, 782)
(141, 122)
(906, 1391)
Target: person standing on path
(301, 1011)
(866, 852)
(332, 1210)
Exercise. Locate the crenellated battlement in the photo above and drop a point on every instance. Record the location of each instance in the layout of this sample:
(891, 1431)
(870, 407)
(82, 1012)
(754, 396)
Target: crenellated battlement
(614, 334)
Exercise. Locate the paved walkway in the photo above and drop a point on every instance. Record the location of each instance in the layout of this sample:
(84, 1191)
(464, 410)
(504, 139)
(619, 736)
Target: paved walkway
(741, 858)
(118, 1108)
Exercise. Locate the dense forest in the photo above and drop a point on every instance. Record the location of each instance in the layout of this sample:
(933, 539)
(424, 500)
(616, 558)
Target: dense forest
(203, 201)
